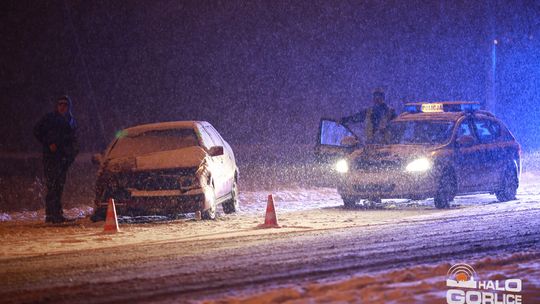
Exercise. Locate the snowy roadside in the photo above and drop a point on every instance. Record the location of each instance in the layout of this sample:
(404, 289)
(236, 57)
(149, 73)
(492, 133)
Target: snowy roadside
(309, 211)
(271, 169)
(417, 284)
(294, 198)
(299, 210)
(319, 240)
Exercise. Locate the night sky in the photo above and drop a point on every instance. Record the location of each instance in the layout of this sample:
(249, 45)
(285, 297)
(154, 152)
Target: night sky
(260, 71)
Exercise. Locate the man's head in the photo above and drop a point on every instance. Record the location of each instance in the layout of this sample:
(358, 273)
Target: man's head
(378, 96)
(62, 105)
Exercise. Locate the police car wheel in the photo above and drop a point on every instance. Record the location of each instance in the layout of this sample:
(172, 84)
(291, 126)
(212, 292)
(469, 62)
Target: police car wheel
(509, 185)
(349, 202)
(446, 191)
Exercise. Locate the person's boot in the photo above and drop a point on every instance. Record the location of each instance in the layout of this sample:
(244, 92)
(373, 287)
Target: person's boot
(57, 219)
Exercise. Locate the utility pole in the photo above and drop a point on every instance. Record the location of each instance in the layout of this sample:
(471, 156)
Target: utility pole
(491, 94)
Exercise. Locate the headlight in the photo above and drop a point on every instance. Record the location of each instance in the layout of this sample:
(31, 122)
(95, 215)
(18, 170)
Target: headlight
(342, 166)
(419, 165)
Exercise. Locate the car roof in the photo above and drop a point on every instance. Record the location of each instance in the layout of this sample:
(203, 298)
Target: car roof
(191, 124)
(447, 116)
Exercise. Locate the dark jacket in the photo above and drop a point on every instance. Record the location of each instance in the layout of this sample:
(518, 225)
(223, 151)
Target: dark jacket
(55, 128)
(377, 118)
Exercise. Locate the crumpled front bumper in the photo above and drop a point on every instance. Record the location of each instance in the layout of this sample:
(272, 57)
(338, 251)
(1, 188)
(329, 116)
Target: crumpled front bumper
(159, 191)
(162, 202)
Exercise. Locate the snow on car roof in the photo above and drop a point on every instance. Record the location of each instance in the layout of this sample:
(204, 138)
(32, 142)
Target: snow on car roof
(163, 126)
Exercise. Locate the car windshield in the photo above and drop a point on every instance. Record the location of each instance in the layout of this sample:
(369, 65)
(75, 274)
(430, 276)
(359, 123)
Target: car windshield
(420, 132)
(153, 141)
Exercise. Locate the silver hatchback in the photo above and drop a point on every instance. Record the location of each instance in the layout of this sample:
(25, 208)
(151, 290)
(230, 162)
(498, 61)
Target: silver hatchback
(167, 168)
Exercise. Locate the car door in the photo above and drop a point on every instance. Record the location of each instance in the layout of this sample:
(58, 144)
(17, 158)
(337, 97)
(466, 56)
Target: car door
(467, 157)
(215, 162)
(492, 153)
(334, 140)
(228, 163)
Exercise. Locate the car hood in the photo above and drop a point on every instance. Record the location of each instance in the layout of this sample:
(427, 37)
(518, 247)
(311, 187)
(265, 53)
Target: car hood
(188, 157)
(393, 152)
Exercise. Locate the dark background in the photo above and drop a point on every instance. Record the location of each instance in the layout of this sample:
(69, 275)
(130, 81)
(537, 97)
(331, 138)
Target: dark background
(262, 72)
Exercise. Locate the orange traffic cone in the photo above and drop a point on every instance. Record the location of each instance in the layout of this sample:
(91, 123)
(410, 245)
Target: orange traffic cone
(270, 220)
(111, 221)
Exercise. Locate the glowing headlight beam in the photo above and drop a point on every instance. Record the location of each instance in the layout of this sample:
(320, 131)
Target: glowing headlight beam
(342, 166)
(419, 165)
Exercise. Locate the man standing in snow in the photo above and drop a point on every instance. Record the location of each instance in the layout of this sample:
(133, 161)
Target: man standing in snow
(56, 132)
(376, 118)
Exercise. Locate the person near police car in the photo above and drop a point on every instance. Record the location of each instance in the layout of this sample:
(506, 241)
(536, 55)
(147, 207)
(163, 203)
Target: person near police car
(376, 118)
(56, 132)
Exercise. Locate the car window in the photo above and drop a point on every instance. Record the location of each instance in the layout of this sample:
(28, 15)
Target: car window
(465, 129)
(505, 134)
(153, 141)
(333, 133)
(420, 132)
(487, 130)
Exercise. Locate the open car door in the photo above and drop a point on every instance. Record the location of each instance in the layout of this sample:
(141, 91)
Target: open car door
(334, 140)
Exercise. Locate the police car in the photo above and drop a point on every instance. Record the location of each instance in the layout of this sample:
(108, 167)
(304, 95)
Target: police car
(432, 150)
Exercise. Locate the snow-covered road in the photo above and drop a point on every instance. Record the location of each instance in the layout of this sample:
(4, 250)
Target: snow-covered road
(181, 260)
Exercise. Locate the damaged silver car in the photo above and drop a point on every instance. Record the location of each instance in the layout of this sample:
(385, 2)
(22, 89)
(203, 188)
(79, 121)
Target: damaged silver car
(165, 169)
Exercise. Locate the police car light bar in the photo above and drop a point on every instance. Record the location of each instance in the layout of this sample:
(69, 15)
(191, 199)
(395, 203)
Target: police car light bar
(445, 106)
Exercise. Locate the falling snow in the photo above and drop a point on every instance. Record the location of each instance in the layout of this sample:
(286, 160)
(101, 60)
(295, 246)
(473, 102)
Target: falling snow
(263, 73)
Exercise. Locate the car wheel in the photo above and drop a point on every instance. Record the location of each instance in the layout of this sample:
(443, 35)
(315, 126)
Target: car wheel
(209, 214)
(232, 205)
(509, 185)
(446, 190)
(349, 202)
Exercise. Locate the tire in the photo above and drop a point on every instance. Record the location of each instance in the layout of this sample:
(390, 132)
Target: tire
(446, 190)
(349, 202)
(232, 205)
(509, 184)
(209, 214)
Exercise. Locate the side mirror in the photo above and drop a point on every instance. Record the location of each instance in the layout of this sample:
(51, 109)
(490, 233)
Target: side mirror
(216, 151)
(465, 141)
(349, 141)
(96, 159)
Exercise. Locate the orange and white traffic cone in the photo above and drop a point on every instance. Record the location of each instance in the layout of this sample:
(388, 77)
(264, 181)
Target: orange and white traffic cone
(270, 220)
(111, 221)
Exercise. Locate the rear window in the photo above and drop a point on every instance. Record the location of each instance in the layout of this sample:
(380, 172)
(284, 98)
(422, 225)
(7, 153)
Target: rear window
(420, 132)
(153, 141)
(489, 130)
